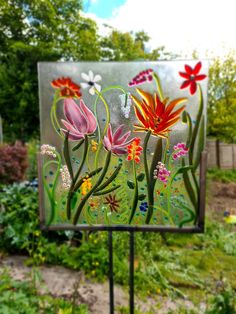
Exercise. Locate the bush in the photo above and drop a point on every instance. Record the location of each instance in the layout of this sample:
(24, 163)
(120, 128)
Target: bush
(13, 162)
(32, 149)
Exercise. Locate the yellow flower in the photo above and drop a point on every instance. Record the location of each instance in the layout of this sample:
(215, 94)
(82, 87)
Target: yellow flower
(94, 146)
(86, 186)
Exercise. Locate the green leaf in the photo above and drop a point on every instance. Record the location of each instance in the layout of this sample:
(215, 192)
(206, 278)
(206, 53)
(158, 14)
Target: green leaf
(130, 184)
(198, 119)
(140, 177)
(141, 197)
(107, 191)
(156, 158)
(76, 147)
(74, 200)
(190, 129)
(66, 154)
(200, 147)
(181, 170)
(189, 188)
(112, 178)
(89, 175)
(184, 117)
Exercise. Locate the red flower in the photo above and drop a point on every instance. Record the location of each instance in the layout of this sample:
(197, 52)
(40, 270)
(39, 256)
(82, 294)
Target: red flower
(192, 76)
(134, 150)
(67, 87)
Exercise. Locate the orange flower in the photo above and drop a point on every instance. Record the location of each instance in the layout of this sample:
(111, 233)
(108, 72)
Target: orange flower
(86, 186)
(156, 115)
(134, 150)
(67, 87)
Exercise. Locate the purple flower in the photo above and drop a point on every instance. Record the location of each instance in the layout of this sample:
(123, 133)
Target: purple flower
(80, 120)
(117, 143)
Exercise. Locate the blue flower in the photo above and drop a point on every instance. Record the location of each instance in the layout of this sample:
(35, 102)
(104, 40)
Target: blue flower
(143, 207)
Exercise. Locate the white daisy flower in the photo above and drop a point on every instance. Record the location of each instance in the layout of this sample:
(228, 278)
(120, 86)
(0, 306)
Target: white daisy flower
(91, 82)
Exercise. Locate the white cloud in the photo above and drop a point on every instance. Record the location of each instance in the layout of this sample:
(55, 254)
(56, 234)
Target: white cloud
(180, 25)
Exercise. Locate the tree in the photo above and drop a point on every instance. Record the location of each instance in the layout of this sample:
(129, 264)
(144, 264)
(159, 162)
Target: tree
(222, 98)
(51, 30)
(32, 31)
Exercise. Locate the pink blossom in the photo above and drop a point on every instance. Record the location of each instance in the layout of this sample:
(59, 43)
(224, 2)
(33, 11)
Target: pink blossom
(180, 150)
(117, 143)
(142, 77)
(80, 120)
(161, 173)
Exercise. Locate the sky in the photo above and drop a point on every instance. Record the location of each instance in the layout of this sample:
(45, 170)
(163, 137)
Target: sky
(207, 26)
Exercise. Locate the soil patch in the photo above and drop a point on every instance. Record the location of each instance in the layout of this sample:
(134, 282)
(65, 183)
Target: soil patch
(62, 282)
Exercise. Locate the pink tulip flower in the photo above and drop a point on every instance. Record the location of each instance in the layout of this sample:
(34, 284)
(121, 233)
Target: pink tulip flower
(117, 143)
(80, 120)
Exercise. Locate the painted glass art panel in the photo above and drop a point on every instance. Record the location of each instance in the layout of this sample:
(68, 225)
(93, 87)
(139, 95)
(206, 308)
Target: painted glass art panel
(121, 142)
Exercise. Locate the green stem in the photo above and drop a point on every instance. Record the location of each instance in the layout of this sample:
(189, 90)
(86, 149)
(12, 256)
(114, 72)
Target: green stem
(159, 88)
(149, 192)
(50, 194)
(96, 185)
(166, 149)
(71, 191)
(135, 198)
(53, 113)
(189, 219)
(196, 127)
(167, 214)
(100, 96)
(83, 159)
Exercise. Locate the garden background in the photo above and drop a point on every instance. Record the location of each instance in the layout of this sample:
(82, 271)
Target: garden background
(173, 273)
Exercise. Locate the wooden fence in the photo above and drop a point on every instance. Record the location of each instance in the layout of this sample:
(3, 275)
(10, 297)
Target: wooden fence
(221, 155)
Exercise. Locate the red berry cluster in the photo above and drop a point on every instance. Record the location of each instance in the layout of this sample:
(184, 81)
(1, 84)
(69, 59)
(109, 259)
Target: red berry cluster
(142, 77)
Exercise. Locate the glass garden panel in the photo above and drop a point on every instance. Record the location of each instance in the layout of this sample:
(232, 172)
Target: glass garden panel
(121, 142)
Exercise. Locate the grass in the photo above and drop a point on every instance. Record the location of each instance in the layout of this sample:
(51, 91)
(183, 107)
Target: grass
(22, 298)
(225, 176)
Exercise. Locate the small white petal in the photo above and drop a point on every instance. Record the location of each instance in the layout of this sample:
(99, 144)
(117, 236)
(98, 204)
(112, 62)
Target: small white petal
(92, 91)
(97, 78)
(84, 85)
(85, 77)
(91, 76)
(98, 87)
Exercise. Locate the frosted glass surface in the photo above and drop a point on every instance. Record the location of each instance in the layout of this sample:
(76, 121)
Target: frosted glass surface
(141, 129)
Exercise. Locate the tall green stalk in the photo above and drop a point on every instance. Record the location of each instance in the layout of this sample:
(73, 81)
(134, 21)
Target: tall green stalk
(53, 113)
(96, 185)
(51, 193)
(100, 136)
(135, 197)
(75, 178)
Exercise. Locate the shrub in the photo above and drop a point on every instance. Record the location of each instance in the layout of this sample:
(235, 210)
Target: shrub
(32, 149)
(13, 162)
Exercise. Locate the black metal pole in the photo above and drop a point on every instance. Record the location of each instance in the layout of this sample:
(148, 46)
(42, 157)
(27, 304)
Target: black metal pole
(131, 272)
(111, 281)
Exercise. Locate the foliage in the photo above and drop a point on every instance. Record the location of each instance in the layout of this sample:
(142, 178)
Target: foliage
(21, 297)
(32, 150)
(33, 31)
(19, 204)
(225, 176)
(13, 162)
(118, 46)
(222, 98)
(223, 301)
